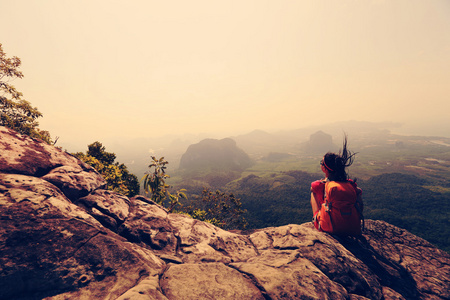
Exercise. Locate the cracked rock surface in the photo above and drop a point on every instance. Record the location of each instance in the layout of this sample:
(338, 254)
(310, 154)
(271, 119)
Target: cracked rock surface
(63, 236)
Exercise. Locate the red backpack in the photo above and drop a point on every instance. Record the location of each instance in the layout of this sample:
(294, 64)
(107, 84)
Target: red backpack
(341, 212)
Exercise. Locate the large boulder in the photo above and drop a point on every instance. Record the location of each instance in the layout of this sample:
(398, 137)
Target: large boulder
(329, 258)
(75, 181)
(319, 142)
(207, 281)
(63, 236)
(50, 246)
(22, 155)
(109, 208)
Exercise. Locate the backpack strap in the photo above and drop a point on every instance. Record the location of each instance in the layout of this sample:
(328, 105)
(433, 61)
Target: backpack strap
(327, 204)
(359, 203)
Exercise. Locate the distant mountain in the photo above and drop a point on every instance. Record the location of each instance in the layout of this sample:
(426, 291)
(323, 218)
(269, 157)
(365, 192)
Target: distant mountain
(259, 144)
(363, 137)
(319, 142)
(212, 154)
(314, 139)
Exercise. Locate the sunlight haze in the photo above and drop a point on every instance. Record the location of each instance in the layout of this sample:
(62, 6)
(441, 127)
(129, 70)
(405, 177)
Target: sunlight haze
(111, 69)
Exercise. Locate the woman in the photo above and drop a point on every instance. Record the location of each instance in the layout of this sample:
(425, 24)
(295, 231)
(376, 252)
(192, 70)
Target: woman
(336, 200)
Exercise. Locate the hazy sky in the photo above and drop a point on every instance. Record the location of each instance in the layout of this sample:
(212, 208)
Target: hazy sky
(98, 69)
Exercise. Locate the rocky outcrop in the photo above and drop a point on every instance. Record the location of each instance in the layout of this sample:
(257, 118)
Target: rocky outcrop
(320, 142)
(212, 154)
(63, 236)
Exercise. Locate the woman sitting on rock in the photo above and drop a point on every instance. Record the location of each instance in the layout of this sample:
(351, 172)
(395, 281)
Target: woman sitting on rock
(336, 200)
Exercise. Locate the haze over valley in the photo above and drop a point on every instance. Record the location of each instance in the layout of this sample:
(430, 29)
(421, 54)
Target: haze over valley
(366, 138)
(146, 69)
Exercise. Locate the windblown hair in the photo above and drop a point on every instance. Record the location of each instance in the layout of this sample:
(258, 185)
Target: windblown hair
(336, 164)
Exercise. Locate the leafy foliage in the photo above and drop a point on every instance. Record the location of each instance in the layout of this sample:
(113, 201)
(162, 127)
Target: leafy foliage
(15, 112)
(156, 187)
(98, 151)
(277, 199)
(221, 209)
(117, 176)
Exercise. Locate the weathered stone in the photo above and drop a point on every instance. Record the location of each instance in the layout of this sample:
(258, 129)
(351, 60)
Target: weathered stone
(107, 207)
(423, 269)
(146, 289)
(324, 252)
(75, 182)
(49, 246)
(286, 275)
(203, 242)
(21, 154)
(389, 293)
(147, 225)
(359, 297)
(207, 281)
(39, 197)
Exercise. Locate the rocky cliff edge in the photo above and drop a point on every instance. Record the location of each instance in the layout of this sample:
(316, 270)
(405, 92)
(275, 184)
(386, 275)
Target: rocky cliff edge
(63, 236)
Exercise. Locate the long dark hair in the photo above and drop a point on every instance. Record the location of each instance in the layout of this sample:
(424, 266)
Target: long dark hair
(336, 164)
